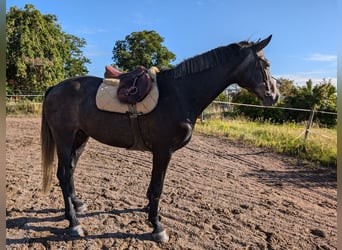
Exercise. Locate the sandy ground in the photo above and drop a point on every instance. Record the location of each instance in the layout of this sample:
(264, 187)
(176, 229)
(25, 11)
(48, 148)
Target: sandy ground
(218, 194)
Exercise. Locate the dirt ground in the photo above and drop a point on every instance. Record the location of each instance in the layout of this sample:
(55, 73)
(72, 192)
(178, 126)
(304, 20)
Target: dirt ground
(218, 194)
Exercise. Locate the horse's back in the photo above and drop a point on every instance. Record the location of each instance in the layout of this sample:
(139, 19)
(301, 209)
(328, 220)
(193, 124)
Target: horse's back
(62, 101)
(75, 86)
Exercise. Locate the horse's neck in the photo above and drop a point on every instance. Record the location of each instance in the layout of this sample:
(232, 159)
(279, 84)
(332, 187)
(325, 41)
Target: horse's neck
(201, 89)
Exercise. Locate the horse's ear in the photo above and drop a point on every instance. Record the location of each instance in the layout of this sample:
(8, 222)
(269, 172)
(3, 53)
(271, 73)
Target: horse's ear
(262, 44)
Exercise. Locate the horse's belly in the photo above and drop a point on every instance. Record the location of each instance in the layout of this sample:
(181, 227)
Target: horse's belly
(114, 131)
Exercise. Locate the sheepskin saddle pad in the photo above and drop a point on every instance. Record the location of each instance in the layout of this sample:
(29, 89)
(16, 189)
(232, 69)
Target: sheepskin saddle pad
(107, 96)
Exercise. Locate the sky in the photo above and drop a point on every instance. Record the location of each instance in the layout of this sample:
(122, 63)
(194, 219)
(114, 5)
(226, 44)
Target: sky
(303, 46)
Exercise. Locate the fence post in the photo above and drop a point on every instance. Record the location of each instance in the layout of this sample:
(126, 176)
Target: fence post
(308, 126)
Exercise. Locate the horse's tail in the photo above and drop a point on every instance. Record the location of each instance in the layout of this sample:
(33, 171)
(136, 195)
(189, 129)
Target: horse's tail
(48, 150)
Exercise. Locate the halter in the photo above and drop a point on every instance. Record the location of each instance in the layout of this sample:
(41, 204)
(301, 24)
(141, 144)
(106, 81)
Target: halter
(265, 77)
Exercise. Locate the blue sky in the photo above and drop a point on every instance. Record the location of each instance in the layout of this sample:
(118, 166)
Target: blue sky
(304, 43)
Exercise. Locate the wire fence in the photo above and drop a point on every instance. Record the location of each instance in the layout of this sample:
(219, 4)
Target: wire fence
(18, 98)
(272, 107)
(39, 98)
(217, 109)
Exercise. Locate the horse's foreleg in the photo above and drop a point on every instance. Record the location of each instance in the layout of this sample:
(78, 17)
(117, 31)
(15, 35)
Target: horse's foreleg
(160, 163)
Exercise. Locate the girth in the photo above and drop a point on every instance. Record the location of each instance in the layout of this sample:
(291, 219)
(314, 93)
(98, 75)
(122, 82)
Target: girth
(139, 143)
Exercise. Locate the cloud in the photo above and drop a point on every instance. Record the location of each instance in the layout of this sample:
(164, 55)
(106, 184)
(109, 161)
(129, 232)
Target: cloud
(92, 50)
(321, 58)
(95, 53)
(140, 19)
(302, 77)
(90, 31)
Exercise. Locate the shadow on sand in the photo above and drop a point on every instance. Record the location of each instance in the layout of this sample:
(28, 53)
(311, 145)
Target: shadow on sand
(60, 234)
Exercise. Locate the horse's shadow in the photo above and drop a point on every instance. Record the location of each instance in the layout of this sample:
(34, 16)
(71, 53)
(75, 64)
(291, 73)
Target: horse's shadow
(28, 223)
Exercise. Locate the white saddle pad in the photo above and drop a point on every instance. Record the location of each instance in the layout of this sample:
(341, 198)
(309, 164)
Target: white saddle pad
(106, 99)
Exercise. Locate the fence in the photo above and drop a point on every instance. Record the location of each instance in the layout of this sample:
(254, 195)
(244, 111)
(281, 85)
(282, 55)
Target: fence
(24, 104)
(229, 106)
(218, 109)
(32, 104)
(18, 98)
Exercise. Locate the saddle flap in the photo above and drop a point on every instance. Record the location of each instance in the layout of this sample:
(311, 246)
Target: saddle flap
(134, 86)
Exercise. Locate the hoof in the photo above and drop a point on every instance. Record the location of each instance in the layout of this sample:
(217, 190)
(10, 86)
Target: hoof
(161, 237)
(82, 208)
(76, 231)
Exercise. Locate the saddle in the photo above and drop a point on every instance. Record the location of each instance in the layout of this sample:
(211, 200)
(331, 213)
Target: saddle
(133, 86)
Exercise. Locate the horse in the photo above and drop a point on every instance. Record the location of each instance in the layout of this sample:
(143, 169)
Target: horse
(70, 116)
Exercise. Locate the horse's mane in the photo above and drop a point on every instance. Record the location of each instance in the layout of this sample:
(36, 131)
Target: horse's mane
(206, 60)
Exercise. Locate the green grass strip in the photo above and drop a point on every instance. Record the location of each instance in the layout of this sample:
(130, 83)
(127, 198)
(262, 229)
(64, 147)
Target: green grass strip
(320, 146)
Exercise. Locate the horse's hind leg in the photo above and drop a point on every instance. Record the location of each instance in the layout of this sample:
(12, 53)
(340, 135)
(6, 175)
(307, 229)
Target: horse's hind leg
(67, 157)
(79, 144)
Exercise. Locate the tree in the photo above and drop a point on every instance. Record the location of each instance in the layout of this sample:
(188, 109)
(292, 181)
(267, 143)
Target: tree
(325, 94)
(286, 86)
(319, 97)
(142, 48)
(245, 97)
(75, 61)
(39, 54)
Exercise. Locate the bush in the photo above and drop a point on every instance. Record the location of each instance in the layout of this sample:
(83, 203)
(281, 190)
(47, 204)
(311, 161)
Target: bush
(23, 107)
(320, 97)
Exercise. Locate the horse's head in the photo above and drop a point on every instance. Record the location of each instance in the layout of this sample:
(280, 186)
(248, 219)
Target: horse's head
(254, 73)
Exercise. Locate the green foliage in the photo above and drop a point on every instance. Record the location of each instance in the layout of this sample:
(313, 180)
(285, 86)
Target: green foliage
(320, 97)
(243, 96)
(222, 97)
(39, 53)
(75, 60)
(142, 48)
(286, 86)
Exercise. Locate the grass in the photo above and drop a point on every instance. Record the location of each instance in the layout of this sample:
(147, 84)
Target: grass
(320, 146)
(23, 108)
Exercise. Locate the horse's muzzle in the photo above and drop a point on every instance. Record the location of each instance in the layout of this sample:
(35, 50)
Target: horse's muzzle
(271, 98)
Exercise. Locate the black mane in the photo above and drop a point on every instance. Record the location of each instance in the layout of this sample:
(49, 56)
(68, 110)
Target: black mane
(207, 60)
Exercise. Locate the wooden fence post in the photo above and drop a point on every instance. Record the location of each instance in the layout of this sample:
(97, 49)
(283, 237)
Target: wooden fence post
(308, 126)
